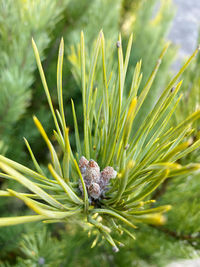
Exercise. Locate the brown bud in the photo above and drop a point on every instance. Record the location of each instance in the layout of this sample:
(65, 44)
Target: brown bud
(93, 164)
(108, 173)
(83, 162)
(94, 190)
(92, 175)
(95, 181)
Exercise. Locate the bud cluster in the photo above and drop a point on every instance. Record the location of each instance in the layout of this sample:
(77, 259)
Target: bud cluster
(96, 181)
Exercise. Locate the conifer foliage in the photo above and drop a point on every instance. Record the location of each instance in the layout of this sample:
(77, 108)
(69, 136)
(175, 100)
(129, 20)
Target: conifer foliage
(19, 21)
(143, 160)
(144, 150)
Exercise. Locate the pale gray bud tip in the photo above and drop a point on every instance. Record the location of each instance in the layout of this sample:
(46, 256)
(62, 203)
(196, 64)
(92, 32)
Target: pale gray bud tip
(41, 261)
(115, 249)
(118, 44)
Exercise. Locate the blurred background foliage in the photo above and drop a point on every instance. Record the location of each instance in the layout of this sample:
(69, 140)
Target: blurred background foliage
(21, 96)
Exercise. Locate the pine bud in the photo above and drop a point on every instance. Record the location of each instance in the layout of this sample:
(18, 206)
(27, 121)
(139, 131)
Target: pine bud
(93, 164)
(92, 173)
(41, 261)
(95, 181)
(107, 174)
(94, 190)
(83, 162)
